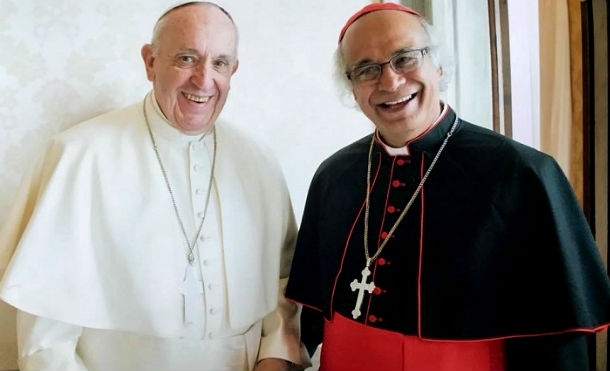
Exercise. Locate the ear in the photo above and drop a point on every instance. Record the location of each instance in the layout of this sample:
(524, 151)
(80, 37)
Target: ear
(235, 66)
(148, 56)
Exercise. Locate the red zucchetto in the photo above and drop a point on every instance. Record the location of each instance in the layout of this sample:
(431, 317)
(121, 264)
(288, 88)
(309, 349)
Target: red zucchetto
(372, 8)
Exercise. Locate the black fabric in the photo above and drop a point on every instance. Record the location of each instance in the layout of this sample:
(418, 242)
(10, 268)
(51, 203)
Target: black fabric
(312, 328)
(504, 247)
(552, 352)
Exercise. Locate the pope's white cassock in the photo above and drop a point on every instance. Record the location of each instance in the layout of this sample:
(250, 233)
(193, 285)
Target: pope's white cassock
(96, 263)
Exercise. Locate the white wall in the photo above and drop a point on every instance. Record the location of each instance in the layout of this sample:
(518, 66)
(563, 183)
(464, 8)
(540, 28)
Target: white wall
(63, 61)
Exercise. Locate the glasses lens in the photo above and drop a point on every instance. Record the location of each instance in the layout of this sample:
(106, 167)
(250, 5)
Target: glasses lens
(366, 72)
(407, 61)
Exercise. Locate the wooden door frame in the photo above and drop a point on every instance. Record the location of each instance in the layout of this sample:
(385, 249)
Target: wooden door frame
(595, 140)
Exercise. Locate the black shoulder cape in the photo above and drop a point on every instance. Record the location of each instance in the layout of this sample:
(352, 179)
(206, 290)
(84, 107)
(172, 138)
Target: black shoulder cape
(496, 244)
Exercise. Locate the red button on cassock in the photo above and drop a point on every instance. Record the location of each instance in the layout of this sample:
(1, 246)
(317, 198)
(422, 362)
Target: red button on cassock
(376, 291)
(396, 183)
(372, 318)
(400, 162)
(384, 234)
(391, 209)
(381, 261)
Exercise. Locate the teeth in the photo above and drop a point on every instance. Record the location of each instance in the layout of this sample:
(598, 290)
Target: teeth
(403, 99)
(195, 98)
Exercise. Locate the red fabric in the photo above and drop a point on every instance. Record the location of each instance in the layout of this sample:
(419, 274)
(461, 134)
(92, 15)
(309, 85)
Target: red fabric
(373, 7)
(350, 345)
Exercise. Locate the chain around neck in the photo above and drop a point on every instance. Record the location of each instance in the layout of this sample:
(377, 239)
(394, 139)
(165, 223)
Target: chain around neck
(190, 245)
(370, 259)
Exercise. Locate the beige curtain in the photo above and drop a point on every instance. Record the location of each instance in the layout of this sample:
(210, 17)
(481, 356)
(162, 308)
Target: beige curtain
(562, 104)
(561, 87)
(576, 170)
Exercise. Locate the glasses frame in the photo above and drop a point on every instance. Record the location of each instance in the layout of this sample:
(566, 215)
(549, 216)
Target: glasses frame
(422, 52)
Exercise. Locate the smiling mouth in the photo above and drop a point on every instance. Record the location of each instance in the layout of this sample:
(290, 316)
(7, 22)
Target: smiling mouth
(403, 101)
(196, 98)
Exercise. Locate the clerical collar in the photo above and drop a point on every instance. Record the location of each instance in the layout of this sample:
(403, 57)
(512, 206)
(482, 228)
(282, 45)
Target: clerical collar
(406, 150)
(162, 127)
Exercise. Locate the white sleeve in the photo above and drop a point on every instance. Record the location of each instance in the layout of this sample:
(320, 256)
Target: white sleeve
(45, 344)
(281, 332)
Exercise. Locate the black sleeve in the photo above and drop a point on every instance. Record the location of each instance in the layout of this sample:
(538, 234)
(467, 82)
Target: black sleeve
(312, 325)
(550, 352)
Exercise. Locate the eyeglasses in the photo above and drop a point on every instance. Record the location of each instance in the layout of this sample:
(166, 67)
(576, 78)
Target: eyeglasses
(402, 62)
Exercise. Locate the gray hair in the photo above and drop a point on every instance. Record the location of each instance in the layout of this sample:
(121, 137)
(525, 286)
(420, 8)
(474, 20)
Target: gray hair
(159, 24)
(439, 55)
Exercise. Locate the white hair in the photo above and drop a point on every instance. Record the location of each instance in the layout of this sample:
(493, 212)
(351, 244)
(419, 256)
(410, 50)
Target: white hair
(440, 56)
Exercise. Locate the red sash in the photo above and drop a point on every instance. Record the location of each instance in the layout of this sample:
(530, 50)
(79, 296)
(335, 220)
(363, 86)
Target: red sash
(350, 345)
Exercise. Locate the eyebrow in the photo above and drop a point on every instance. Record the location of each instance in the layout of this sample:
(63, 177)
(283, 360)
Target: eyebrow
(196, 52)
(402, 50)
(225, 56)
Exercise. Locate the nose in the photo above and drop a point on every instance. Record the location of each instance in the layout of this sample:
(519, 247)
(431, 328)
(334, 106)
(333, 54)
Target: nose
(201, 76)
(390, 80)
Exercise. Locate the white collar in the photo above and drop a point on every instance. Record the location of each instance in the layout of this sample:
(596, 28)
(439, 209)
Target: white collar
(161, 126)
(404, 151)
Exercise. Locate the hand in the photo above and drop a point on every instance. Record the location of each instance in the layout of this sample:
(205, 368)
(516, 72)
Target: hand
(273, 364)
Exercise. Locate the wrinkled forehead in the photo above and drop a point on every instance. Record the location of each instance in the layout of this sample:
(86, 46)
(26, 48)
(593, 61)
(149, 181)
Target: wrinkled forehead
(378, 34)
(197, 23)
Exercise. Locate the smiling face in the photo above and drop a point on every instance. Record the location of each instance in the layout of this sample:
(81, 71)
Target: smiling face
(401, 106)
(191, 64)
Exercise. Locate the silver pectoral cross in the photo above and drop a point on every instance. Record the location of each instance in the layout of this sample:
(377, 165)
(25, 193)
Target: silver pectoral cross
(191, 289)
(361, 287)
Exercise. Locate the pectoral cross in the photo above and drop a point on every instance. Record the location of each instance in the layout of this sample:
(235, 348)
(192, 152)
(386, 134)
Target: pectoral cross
(191, 289)
(361, 287)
